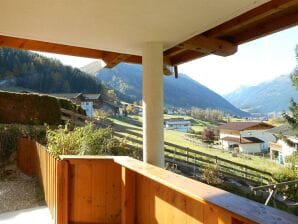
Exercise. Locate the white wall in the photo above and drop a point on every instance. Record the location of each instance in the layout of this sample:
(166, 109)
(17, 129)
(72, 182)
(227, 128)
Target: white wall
(260, 134)
(88, 107)
(227, 133)
(246, 148)
(177, 127)
(225, 145)
(250, 148)
(286, 149)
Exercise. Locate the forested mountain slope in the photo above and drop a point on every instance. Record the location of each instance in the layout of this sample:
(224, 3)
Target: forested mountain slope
(19, 68)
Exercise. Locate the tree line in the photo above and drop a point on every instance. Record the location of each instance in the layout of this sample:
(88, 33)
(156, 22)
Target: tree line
(207, 114)
(38, 73)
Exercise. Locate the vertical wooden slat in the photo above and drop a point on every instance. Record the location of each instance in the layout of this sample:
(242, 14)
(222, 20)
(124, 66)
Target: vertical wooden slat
(82, 198)
(128, 195)
(94, 191)
(224, 217)
(98, 189)
(113, 194)
(62, 192)
(210, 214)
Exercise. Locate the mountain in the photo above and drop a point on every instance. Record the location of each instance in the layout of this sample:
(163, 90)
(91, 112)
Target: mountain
(92, 68)
(183, 92)
(266, 97)
(25, 69)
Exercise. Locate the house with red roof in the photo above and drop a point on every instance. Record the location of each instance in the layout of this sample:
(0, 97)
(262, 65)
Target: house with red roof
(248, 137)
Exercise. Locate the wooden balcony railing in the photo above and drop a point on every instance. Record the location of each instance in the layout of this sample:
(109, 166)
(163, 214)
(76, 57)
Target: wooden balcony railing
(96, 189)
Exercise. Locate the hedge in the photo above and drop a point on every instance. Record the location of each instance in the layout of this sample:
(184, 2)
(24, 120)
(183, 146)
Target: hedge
(32, 109)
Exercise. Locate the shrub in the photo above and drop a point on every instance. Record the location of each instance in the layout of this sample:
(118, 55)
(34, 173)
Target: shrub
(212, 175)
(100, 114)
(87, 140)
(9, 135)
(284, 175)
(208, 135)
(292, 160)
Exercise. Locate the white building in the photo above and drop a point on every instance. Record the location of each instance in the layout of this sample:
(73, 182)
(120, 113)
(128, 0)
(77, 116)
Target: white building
(87, 106)
(177, 124)
(249, 137)
(285, 146)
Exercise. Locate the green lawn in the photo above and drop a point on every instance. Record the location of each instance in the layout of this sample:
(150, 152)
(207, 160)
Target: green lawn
(177, 138)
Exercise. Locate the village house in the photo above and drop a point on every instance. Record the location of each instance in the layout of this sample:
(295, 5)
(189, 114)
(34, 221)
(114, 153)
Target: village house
(178, 124)
(286, 144)
(249, 137)
(92, 102)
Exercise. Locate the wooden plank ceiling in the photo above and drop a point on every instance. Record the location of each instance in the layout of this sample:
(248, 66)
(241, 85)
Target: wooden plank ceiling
(221, 40)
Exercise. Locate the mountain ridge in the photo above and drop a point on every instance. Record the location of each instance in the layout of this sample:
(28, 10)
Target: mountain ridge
(183, 92)
(272, 96)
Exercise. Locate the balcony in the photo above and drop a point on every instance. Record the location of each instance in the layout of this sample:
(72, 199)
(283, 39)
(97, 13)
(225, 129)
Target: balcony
(101, 189)
(120, 189)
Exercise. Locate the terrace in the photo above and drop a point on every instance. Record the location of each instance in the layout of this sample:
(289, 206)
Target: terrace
(121, 189)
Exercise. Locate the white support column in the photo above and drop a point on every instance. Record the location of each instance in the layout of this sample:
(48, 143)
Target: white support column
(153, 134)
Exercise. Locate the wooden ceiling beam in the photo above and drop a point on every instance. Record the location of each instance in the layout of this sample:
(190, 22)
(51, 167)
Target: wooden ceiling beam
(257, 14)
(134, 59)
(185, 56)
(209, 45)
(26, 44)
(112, 59)
(34, 45)
(167, 66)
(274, 24)
(270, 17)
(173, 51)
(253, 16)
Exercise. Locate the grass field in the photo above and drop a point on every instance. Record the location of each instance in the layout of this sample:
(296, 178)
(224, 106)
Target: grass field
(177, 138)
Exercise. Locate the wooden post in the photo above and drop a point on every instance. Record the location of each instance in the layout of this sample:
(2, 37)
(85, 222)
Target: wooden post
(194, 166)
(187, 155)
(128, 188)
(62, 192)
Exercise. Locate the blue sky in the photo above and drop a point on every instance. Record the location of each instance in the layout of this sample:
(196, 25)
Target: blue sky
(255, 62)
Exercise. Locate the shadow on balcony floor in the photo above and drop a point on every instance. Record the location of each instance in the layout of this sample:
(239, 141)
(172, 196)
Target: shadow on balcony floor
(36, 215)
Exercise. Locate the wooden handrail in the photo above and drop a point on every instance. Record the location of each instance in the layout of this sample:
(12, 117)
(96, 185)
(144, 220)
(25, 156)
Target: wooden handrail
(108, 189)
(168, 190)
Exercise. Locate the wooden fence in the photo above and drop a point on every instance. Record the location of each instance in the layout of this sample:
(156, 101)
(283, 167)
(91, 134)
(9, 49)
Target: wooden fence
(195, 161)
(95, 189)
(34, 159)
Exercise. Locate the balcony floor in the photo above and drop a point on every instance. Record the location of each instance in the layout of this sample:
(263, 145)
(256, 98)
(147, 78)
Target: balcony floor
(36, 215)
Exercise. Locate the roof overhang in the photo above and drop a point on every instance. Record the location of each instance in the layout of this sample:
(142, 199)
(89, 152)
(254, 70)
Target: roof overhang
(116, 31)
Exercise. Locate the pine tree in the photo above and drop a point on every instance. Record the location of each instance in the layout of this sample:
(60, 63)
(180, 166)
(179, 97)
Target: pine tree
(293, 118)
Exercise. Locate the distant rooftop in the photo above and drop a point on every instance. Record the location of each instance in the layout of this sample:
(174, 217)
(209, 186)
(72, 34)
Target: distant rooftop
(284, 129)
(64, 95)
(176, 119)
(75, 95)
(240, 126)
(243, 140)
